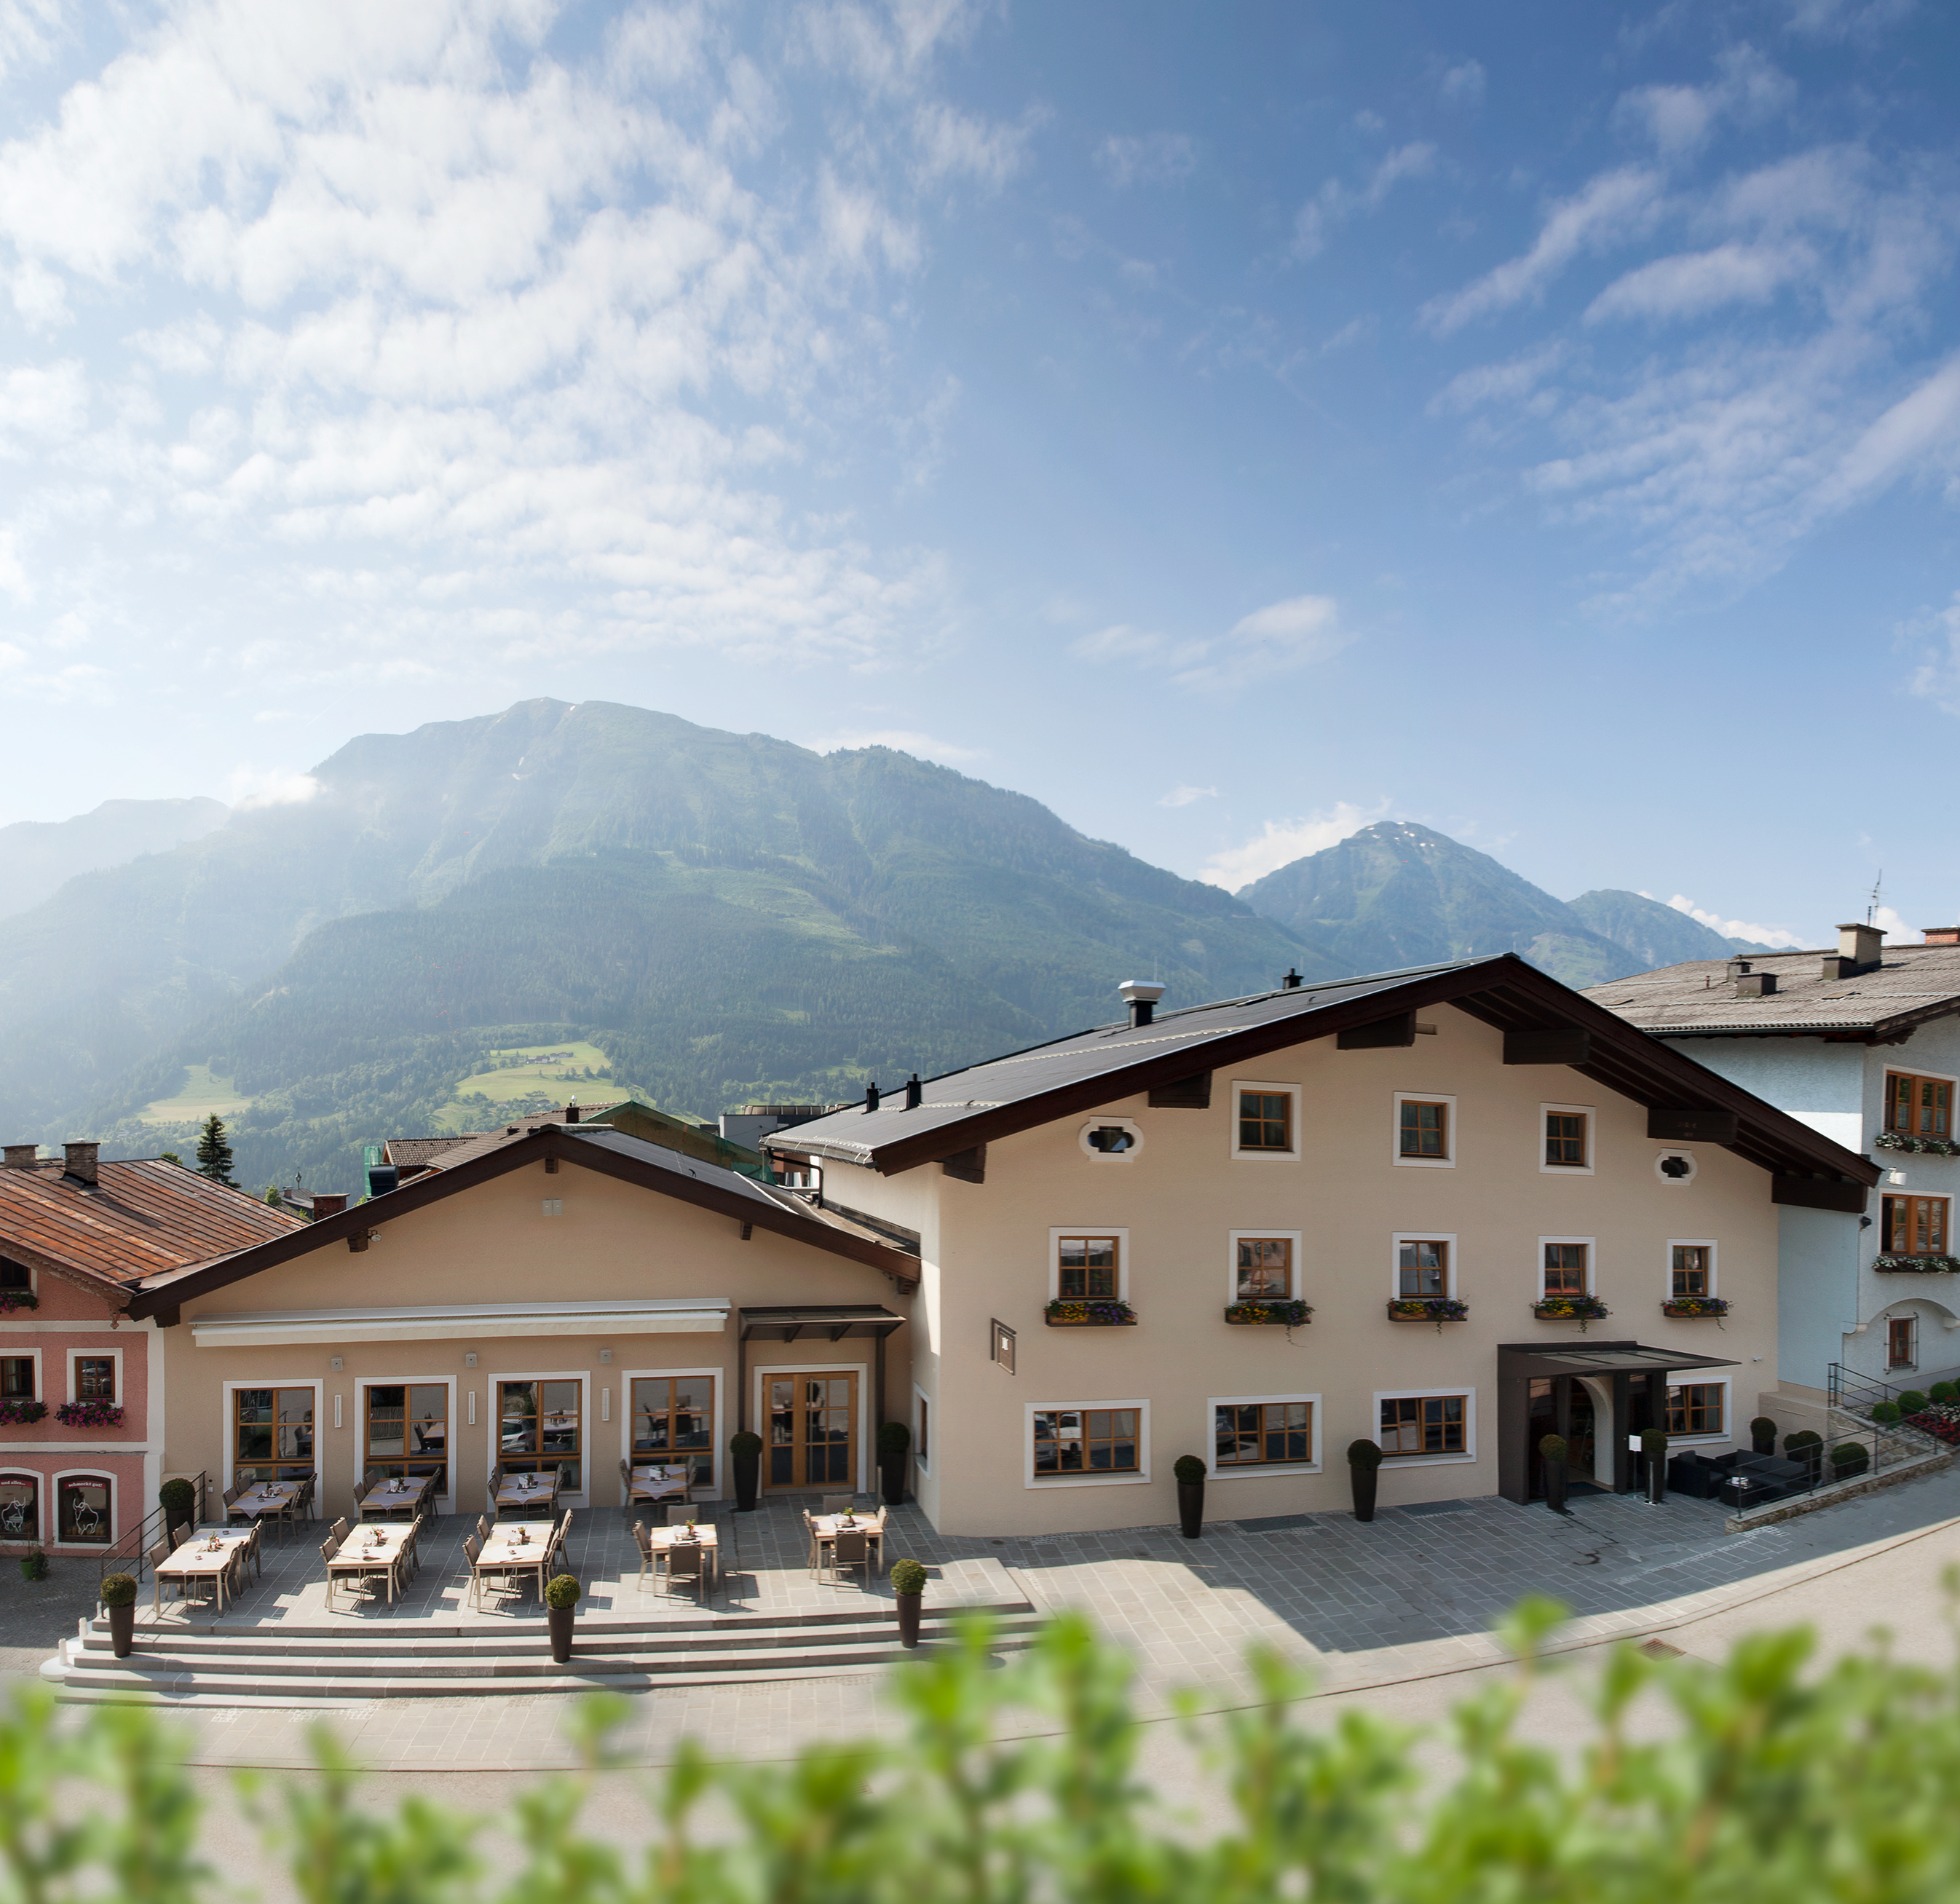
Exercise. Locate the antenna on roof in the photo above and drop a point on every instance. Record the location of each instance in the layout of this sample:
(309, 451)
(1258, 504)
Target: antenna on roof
(1878, 887)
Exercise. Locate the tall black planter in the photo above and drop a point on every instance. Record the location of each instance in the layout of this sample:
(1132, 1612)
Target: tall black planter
(558, 1623)
(1364, 1480)
(1191, 1508)
(748, 1473)
(892, 1475)
(1554, 1486)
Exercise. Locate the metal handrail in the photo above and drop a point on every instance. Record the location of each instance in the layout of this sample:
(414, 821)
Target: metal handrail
(114, 1560)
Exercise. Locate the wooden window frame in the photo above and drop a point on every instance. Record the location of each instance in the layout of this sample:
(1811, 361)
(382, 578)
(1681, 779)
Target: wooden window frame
(1251, 1470)
(1450, 1265)
(1546, 1113)
(1589, 1244)
(1090, 1477)
(1262, 1153)
(1467, 1452)
(723, 1384)
(696, 1458)
(1719, 1433)
(233, 1461)
(1291, 1238)
(1691, 1243)
(109, 1358)
(32, 1357)
(1917, 1080)
(1905, 1200)
(1446, 1101)
(1118, 1233)
(502, 1458)
(1910, 1324)
(1408, 1127)
(390, 1464)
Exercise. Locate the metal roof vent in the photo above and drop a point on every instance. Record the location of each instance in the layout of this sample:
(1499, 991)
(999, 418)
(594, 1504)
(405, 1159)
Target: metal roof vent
(1141, 997)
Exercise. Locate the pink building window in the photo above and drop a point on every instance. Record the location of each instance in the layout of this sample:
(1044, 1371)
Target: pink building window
(19, 1500)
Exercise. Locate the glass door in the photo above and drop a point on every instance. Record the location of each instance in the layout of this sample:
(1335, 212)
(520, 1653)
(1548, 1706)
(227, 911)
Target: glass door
(813, 1431)
(407, 1429)
(538, 1427)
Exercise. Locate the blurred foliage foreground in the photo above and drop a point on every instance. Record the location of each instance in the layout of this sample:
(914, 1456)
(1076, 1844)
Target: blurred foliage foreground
(1765, 1779)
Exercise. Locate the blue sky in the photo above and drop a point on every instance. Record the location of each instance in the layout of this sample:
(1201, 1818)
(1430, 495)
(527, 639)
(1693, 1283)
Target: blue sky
(1228, 425)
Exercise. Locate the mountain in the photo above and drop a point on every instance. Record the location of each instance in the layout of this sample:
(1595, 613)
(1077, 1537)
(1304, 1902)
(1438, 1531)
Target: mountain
(1395, 893)
(724, 916)
(36, 856)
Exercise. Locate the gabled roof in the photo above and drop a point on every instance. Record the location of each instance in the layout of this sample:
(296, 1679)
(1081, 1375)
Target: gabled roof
(590, 1147)
(987, 1102)
(1915, 983)
(142, 1217)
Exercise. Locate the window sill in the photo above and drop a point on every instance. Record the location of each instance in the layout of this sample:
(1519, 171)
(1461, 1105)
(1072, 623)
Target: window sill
(1086, 1481)
(1427, 1461)
(1266, 1470)
(1426, 1163)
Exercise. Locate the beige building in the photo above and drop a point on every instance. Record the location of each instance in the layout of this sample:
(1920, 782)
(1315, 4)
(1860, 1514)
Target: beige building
(1506, 1211)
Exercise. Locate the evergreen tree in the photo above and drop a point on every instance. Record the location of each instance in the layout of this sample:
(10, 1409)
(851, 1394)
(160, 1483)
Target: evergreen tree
(171, 1157)
(273, 1199)
(214, 1151)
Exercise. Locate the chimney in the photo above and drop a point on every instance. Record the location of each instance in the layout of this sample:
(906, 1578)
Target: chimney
(80, 1165)
(915, 1092)
(1755, 985)
(21, 1157)
(870, 1097)
(1941, 935)
(1292, 982)
(326, 1203)
(1863, 945)
(571, 1113)
(1141, 997)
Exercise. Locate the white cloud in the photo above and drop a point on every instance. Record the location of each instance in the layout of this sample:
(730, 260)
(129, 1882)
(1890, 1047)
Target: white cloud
(1462, 85)
(1185, 796)
(1335, 202)
(1276, 639)
(1736, 929)
(1678, 118)
(252, 788)
(1281, 841)
(1695, 282)
(1157, 158)
(1510, 382)
(901, 740)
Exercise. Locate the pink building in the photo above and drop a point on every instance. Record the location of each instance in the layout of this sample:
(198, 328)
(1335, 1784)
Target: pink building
(81, 1429)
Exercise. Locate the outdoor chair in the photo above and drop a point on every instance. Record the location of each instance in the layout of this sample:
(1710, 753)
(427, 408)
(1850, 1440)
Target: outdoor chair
(412, 1555)
(480, 1576)
(161, 1550)
(248, 1550)
(330, 1547)
(644, 1541)
(483, 1526)
(231, 1514)
(676, 1514)
(839, 1503)
(809, 1531)
(338, 1529)
(850, 1547)
(179, 1535)
(685, 1563)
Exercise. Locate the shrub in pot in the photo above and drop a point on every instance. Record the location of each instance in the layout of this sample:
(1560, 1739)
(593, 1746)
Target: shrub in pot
(1806, 1445)
(34, 1564)
(1190, 1473)
(118, 1595)
(1654, 1447)
(561, 1596)
(1762, 1435)
(1850, 1458)
(895, 1440)
(1911, 1402)
(908, 1591)
(1555, 1451)
(178, 1499)
(1364, 1462)
(746, 1448)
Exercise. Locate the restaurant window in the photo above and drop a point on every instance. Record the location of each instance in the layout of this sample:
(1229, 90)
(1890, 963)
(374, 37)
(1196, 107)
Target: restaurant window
(1087, 1441)
(1696, 1408)
(272, 1434)
(1693, 1270)
(1087, 1269)
(19, 1507)
(538, 1428)
(82, 1510)
(1422, 1266)
(1255, 1434)
(1914, 1226)
(1264, 1268)
(95, 1378)
(1918, 1106)
(1425, 1129)
(1565, 1137)
(1265, 1123)
(1566, 1268)
(1902, 1341)
(1423, 1425)
(673, 1420)
(406, 1424)
(16, 1378)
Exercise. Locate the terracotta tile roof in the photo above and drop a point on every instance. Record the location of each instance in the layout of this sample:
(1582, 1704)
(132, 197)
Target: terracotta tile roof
(144, 1217)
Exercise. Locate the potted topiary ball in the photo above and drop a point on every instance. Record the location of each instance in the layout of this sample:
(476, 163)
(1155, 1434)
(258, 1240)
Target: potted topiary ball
(747, 1449)
(908, 1591)
(1553, 1448)
(1762, 1435)
(1364, 1462)
(118, 1595)
(1849, 1459)
(178, 1499)
(1653, 1446)
(1190, 1473)
(1806, 1445)
(561, 1609)
(894, 1440)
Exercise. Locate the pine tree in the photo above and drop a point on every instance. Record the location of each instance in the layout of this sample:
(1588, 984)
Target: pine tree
(214, 1153)
(273, 1199)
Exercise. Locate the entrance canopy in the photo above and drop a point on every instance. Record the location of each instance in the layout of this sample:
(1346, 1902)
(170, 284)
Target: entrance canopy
(819, 1321)
(1524, 1361)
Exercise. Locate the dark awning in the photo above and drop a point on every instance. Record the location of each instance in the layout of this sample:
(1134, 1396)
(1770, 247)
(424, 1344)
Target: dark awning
(835, 1320)
(1520, 1360)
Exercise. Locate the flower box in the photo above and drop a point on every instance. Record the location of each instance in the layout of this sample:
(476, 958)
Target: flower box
(1438, 1310)
(1891, 1265)
(22, 1414)
(1288, 1315)
(1089, 1315)
(1688, 1307)
(89, 1414)
(1580, 1309)
(13, 1299)
(1917, 1146)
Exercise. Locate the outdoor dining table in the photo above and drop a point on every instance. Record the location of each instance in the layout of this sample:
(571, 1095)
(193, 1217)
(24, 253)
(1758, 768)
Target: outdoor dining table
(517, 1546)
(657, 1483)
(521, 1490)
(374, 1547)
(400, 1494)
(662, 1538)
(825, 1527)
(199, 1559)
(266, 1500)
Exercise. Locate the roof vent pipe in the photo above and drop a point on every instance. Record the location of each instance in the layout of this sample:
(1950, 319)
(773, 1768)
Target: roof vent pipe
(80, 1163)
(21, 1157)
(1141, 997)
(1292, 982)
(915, 1092)
(870, 1097)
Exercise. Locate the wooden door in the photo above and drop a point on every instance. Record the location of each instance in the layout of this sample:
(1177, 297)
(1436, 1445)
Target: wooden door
(813, 1431)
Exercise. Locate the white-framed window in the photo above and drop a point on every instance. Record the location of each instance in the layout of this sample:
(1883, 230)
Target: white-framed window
(1565, 1139)
(922, 1429)
(1262, 1266)
(406, 1427)
(1087, 1444)
(21, 1375)
(674, 1415)
(1901, 1343)
(272, 1430)
(1422, 1262)
(540, 1419)
(1265, 1121)
(1089, 1262)
(1426, 1427)
(1565, 1266)
(1111, 1140)
(84, 1507)
(1249, 1435)
(1691, 1268)
(1676, 1166)
(1423, 1134)
(95, 1375)
(1698, 1411)
(22, 1503)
